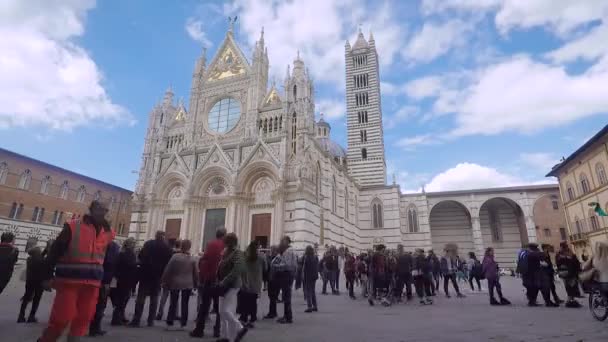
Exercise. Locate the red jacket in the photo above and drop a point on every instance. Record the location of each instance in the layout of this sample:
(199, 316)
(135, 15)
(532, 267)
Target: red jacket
(210, 260)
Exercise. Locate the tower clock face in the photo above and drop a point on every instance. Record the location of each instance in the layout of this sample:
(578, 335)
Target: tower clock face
(224, 115)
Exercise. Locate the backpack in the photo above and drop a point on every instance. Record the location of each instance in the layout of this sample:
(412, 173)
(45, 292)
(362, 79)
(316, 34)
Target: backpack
(522, 262)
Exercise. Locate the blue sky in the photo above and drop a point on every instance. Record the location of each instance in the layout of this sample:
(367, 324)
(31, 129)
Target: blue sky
(475, 93)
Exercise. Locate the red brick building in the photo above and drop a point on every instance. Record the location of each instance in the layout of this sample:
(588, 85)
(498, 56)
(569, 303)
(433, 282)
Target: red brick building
(32, 191)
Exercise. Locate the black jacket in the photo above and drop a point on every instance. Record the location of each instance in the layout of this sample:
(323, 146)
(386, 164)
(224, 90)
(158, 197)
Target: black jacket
(310, 268)
(404, 264)
(8, 257)
(126, 269)
(153, 258)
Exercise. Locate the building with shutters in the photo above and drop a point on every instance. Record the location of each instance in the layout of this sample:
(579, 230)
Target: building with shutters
(246, 155)
(583, 180)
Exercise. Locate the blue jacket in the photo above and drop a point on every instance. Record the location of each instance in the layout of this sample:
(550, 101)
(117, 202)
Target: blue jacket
(109, 262)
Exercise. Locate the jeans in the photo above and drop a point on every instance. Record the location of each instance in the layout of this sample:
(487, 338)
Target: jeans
(273, 294)
(329, 276)
(175, 294)
(471, 277)
(146, 290)
(230, 324)
(311, 296)
(419, 282)
(33, 293)
(448, 277)
(436, 276)
(404, 279)
(286, 281)
(494, 284)
(163, 300)
(350, 284)
(208, 292)
(364, 285)
(120, 298)
(102, 302)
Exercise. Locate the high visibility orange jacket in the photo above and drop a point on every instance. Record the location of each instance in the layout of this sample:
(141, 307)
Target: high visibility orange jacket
(83, 261)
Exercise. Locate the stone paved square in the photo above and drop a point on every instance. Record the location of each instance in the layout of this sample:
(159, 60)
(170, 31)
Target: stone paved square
(343, 320)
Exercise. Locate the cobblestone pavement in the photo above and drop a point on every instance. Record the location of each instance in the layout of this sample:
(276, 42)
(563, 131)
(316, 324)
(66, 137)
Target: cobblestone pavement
(341, 319)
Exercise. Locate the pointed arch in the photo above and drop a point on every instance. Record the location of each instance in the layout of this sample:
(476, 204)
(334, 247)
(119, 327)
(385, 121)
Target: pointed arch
(25, 180)
(412, 219)
(3, 172)
(346, 204)
(334, 200)
(81, 195)
(44, 185)
(377, 213)
(570, 191)
(63, 193)
(584, 184)
(599, 170)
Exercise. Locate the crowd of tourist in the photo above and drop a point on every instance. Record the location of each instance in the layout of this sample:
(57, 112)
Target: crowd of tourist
(233, 280)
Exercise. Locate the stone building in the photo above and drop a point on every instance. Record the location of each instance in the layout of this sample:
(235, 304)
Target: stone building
(583, 180)
(36, 198)
(245, 155)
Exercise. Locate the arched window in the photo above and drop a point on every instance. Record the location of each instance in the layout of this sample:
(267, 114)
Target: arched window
(595, 225)
(3, 172)
(44, 186)
(35, 214)
(318, 185)
(363, 153)
(377, 220)
(346, 211)
(111, 203)
(82, 192)
(63, 193)
(412, 220)
(579, 226)
(584, 183)
(295, 92)
(554, 202)
(356, 210)
(25, 180)
(601, 174)
(570, 190)
(334, 200)
(13, 211)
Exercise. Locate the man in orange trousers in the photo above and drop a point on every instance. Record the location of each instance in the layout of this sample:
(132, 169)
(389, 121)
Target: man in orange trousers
(77, 257)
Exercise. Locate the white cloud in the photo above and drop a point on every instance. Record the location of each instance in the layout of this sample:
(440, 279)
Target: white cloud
(331, 108)
(47, 79)
(539, 161)
(437, 6)
(318, 29)
(520, 94)
(587, 47)
(470, 176)
(560, 16)
(410, 143)
(401, 115)
(436, 39)
(194, 28)
(423, 87)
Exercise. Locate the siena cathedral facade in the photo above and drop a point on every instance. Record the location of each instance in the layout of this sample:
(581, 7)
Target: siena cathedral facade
(254, 159)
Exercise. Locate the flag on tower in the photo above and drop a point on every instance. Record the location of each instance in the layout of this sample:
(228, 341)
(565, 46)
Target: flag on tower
(598, 209)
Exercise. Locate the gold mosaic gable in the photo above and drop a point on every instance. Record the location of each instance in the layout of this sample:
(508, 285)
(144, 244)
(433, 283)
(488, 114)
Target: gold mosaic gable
(228, 64)
(272, 98)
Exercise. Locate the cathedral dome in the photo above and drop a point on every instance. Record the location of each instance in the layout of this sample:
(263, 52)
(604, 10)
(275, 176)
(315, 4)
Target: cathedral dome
(332, 147)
